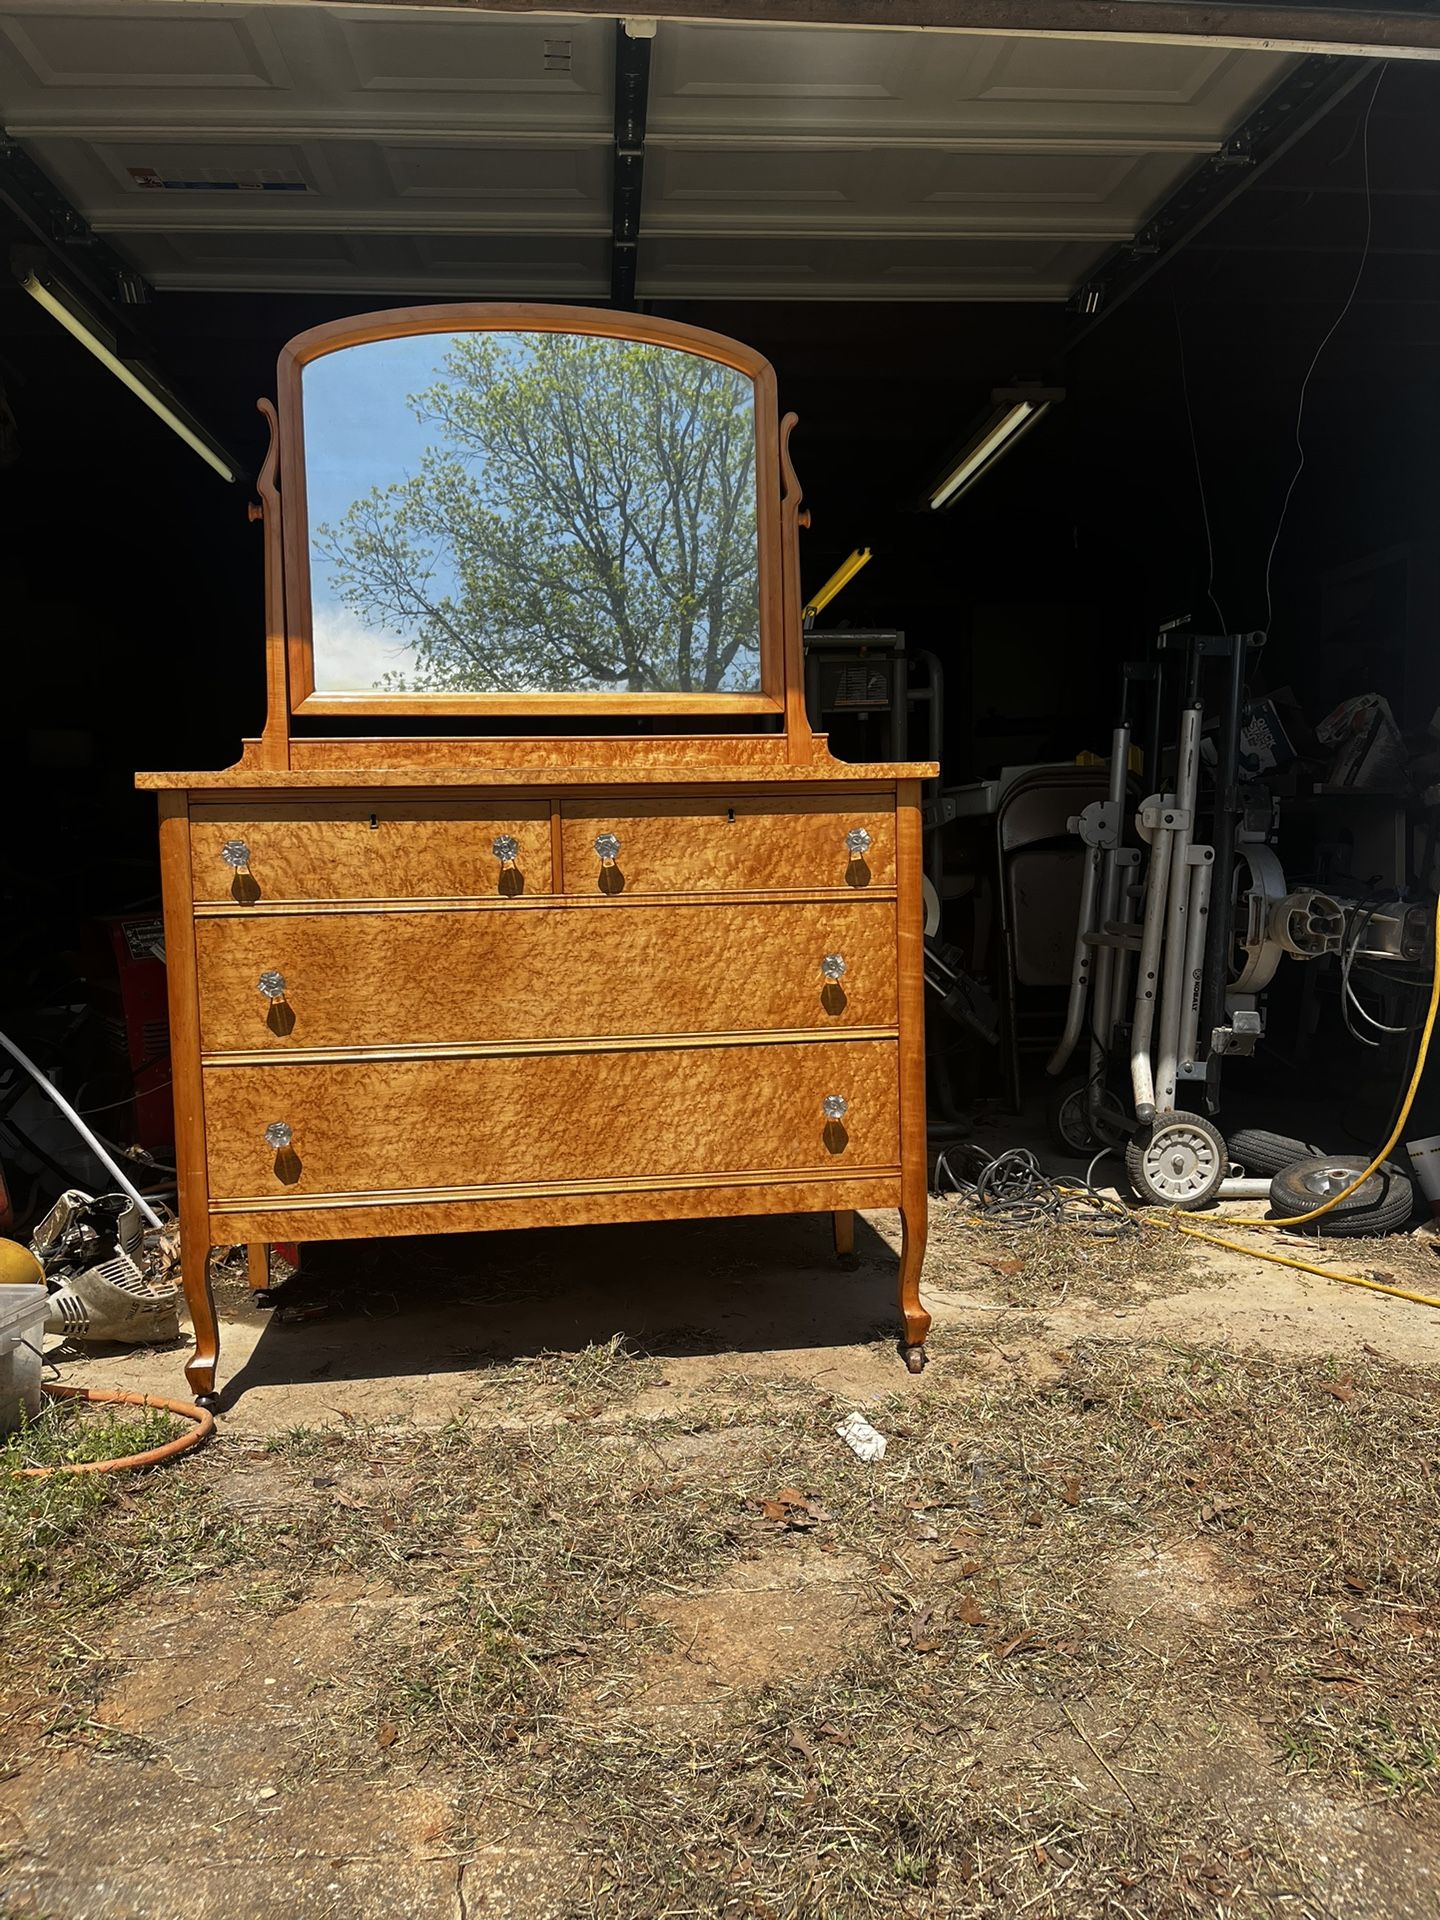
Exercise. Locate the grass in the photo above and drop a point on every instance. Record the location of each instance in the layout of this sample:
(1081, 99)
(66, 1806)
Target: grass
(1043, 1267)
(38, 1517)
(1068, 1623)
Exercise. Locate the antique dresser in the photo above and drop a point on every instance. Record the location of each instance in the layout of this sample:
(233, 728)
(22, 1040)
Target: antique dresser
(536, 901)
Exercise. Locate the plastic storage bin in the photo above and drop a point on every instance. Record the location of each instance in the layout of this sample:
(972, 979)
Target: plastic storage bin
(22, 1335)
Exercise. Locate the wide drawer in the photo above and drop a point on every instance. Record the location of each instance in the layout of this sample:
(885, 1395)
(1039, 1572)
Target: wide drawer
(699, 844)
(369, 850)
(605, 1114)
(354, 979)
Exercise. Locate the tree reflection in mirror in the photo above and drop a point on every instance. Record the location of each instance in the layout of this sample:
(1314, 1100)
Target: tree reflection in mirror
(521, 512)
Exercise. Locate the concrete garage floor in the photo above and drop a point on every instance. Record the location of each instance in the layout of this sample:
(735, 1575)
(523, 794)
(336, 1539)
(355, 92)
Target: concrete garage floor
(526, 1576)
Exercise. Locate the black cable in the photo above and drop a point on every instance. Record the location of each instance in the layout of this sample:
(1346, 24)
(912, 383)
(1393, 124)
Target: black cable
(1012, 1190)
(1199, 475)
(1330, 332)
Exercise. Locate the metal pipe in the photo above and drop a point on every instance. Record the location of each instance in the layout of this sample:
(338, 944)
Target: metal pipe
(1187, 777)
(1080, 964)
(1125, 904)
(1222, 884)
(1201, 873)
(1107, 971)
(1157, 884)
(1098, 889)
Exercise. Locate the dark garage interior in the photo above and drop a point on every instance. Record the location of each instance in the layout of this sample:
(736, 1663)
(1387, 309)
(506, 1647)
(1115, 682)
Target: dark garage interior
(1153, 492)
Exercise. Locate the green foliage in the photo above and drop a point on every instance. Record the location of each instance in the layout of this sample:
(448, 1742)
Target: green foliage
(584, 518)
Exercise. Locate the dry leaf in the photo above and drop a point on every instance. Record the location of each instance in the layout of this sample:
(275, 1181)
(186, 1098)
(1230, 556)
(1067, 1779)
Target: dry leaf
(386, 1734)
(998, 1264)
(970, 1611)
(1070, 1489)
(1342, 1389)
(1027, 1642)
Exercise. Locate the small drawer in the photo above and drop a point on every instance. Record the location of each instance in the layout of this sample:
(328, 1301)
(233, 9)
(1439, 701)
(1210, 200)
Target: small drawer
(370, 850)
(704, 845)
(385, 1127)
(445, 977)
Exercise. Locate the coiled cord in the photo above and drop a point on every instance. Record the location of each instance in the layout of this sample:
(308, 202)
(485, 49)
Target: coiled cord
(1011, 1190)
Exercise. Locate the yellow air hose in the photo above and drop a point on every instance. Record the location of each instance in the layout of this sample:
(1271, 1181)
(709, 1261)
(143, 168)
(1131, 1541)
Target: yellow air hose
(1305, 1219)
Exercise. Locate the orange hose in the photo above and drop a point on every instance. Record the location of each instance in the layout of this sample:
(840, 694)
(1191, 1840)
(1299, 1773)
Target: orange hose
(152, 1457)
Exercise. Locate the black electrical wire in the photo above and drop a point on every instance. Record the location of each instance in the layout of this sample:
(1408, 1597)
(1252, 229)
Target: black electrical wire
(1012, 1190)
(1330, 332)
(1199, 476)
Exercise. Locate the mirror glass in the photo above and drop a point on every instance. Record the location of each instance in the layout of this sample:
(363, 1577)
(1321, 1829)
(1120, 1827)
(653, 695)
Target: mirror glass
(530, 512)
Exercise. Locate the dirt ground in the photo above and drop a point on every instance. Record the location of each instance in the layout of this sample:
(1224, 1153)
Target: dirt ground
(527, 1577)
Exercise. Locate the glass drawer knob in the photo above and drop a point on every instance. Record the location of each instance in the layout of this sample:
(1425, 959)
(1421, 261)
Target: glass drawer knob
(607, 845)
(235, 854)
(833, 966)
(857, 842)
(835, 1106)
(272, 984)
(279, 1135)
(505, 848)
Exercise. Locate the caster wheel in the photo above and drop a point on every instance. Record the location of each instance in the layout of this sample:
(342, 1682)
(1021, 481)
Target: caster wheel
(208, 1402)
(915, 1359)
(1070, 1125)
(1179, 1161)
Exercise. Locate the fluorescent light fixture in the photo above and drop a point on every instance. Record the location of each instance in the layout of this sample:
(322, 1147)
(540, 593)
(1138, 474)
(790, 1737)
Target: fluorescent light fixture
(63, 305)
(1016, 410)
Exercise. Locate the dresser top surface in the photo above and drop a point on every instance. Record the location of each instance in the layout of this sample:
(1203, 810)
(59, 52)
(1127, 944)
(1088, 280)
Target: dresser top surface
(819, 773)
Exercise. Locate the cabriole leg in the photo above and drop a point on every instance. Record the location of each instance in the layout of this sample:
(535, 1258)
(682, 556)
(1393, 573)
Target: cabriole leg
(195, 1274)
(915, 1222)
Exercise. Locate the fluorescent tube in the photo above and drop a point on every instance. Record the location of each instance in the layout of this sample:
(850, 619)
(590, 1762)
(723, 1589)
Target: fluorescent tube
(86, 331)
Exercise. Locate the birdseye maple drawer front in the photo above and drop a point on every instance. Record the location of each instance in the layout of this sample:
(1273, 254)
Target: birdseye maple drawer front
(302, 980)
(386, 1126)
(732, 842)
(370, 850)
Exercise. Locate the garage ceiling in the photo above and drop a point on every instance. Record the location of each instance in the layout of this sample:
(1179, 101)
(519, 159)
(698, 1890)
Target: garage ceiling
(354, 150)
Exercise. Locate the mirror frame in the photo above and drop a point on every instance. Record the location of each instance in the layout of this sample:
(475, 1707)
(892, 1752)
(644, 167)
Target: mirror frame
(494, 317)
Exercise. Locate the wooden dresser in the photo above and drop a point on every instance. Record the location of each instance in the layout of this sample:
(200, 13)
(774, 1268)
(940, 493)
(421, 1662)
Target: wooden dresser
(424, 985)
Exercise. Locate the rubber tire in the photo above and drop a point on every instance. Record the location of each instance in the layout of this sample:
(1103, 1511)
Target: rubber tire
(1140, 1140)
(1383, 1205)
(1060, 1098)
(1265, 1154)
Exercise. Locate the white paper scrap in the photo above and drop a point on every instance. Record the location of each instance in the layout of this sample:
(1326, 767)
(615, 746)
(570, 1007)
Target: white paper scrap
(861, 1438)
